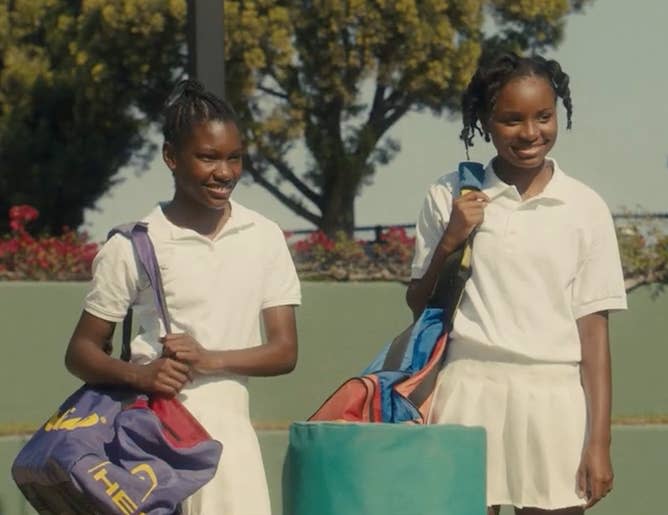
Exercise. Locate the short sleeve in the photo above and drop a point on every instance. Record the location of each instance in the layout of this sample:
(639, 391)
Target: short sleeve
(599, 282)
(431, 223)
(115, 280)
(281, 285)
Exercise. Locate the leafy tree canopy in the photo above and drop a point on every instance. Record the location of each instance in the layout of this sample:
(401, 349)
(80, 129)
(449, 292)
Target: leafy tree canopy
(301, 71)
(79, 83)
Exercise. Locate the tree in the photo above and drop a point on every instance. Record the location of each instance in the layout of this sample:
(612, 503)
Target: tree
(80, 82)
(643, 244)
(299, 70)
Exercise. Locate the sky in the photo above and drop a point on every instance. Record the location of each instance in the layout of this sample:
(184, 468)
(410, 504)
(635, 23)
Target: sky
(615, 56)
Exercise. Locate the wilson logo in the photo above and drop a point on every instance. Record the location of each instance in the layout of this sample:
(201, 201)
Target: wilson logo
(64, 422)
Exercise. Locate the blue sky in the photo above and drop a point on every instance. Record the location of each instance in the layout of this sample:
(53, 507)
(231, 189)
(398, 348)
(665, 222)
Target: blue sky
(615, 56)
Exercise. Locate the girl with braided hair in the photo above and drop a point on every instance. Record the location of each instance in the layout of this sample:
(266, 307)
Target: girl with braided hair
(528, 358)
(224, 268)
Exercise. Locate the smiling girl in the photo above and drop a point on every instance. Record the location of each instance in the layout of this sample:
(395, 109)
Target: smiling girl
(528, 357)
(224, 267)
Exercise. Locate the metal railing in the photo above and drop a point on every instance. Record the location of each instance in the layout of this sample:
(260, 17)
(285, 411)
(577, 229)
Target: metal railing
(377, 230)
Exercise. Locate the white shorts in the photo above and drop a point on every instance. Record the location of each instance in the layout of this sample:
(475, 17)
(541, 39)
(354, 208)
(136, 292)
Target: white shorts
(535, 418)
(239, 486)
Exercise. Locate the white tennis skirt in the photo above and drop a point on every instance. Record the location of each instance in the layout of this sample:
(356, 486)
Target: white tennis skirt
(239, 486)
(535, 418)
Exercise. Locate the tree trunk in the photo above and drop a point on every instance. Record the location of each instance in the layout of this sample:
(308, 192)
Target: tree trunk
(338, 212)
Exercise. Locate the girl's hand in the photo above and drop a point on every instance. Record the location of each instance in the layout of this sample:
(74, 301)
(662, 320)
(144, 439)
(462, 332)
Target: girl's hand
(164, 376)
(595, 476)
(185, 349)
(468, 212)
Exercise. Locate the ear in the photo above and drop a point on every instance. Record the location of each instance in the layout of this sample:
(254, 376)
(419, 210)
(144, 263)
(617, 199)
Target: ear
(169, 155)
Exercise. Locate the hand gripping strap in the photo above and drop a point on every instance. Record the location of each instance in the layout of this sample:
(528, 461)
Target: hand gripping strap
(454, 274)
(457, 267)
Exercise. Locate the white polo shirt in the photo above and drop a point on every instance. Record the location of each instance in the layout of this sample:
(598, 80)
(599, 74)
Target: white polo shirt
(214, 289)
(538, 266)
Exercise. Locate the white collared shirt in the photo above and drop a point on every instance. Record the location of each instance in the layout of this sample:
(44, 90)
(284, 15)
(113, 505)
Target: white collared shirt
(215, 289)
(538, 265)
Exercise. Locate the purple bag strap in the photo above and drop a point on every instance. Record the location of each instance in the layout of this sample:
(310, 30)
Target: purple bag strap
(137, 233)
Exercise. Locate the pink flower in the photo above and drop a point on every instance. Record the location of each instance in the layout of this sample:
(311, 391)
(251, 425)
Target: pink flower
(65, 257)
(23, 213)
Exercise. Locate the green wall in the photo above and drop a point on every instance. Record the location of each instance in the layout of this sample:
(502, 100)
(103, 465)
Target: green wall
(341, 326)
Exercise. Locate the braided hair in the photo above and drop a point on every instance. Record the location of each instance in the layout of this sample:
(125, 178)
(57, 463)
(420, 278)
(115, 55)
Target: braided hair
(493, 73)
(190, 104)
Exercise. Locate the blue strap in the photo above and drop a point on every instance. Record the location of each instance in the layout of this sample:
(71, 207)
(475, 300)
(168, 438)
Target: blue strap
(471, 175)
(137, 233)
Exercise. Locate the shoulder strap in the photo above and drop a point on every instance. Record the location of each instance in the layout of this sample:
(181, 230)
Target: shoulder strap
(456, 270)
(137, 233)
(452, 279)
(471, 176)
(457, 267)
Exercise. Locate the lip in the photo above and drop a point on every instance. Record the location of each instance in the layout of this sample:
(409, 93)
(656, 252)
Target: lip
(220, 191)
(528, 152)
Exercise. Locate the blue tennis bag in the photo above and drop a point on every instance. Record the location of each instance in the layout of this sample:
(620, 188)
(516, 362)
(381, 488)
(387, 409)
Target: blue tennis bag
(112, 450)
(397, 385)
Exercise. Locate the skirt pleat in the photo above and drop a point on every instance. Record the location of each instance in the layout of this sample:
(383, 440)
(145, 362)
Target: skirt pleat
(534, 415)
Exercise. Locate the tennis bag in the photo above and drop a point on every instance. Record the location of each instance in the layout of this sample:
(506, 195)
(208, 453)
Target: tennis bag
(398, 384)
(112, 450)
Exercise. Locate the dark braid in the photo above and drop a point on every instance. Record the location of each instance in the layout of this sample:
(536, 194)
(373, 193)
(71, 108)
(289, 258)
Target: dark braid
(496, 71)
(190, 104)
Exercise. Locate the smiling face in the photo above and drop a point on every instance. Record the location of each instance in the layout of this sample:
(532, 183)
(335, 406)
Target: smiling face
(523, 123)
(206, 165)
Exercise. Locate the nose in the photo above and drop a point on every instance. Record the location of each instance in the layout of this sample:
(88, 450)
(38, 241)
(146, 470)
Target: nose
(529, 131)
(224, 170)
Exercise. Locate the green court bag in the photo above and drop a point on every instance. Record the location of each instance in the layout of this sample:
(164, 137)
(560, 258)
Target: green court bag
(384, 469)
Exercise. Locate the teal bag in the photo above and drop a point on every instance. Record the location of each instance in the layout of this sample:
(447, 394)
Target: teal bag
(384, 469)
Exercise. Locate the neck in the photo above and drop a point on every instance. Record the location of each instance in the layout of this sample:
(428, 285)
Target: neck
(528, 181)
(207, 222)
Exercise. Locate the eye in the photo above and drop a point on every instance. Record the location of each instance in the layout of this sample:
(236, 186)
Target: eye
(234, 157)
(545, 117)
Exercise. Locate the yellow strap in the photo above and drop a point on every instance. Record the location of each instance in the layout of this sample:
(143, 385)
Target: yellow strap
(466, 254)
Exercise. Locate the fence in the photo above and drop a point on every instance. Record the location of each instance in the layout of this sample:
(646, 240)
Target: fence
(377, 230)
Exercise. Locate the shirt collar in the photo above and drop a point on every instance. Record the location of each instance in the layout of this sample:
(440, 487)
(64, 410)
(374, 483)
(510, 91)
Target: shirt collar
(555, 190)
(239, 220)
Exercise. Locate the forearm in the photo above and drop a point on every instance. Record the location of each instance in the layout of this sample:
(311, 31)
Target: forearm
(86, 358)
(420, 290)
(263, 360)
(93, 366)
(277, 356)
(596, 376)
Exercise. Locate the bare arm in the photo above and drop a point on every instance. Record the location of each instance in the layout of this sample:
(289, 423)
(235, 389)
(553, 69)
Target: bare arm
(595, 474)
(86, 358)
(419, 290)
(277, 356)
(467, 214)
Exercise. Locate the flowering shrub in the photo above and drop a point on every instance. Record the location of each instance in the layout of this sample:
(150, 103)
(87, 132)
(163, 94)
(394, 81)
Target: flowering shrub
(644, 251)
(25, 257)
(643, 247)
(319, 257)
